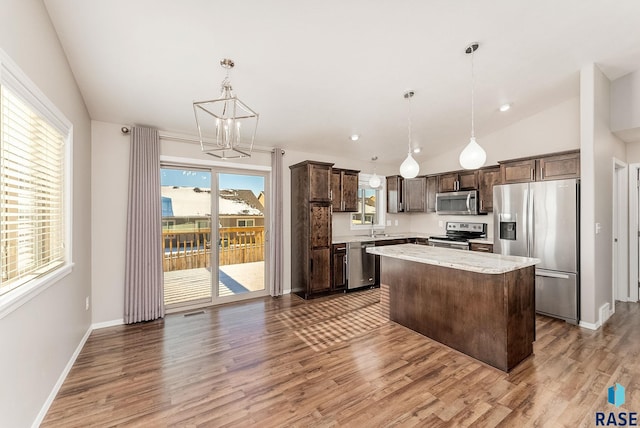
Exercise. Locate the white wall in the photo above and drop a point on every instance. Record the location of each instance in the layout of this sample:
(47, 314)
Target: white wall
(625, 107)
(552, 130)
(109, 186)
(39, 338)
(598, 148)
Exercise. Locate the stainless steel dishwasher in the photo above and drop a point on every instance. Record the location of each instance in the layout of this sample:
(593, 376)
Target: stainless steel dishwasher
(362, 265)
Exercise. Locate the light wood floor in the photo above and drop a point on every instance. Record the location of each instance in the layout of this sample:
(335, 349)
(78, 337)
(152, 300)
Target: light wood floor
(336, 362)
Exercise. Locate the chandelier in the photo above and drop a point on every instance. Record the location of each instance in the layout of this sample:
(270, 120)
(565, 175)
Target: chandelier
(226, 126)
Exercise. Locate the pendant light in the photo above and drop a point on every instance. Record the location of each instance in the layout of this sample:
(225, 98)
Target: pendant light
(226, 125)
(374, 181)
(473, 156)
(409, 168)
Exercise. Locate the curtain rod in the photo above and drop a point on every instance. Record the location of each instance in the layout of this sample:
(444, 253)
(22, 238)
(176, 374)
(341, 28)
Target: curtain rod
(163, 136)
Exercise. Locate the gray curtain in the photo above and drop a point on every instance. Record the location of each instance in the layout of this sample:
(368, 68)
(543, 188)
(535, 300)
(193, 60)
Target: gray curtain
(143, 285)
(276, 250)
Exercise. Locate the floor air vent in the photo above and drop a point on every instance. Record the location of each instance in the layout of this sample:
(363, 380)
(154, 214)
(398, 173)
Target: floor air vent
(190, 314)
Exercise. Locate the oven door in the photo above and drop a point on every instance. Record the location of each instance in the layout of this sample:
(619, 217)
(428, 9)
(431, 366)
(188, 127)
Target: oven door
(461, 203)
(455, 245)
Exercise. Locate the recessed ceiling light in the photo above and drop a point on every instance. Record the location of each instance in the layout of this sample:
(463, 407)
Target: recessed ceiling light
(417, 150)
(355, 137)
(505, 107)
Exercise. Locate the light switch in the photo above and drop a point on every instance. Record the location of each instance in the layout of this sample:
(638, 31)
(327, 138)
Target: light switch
(396, 222)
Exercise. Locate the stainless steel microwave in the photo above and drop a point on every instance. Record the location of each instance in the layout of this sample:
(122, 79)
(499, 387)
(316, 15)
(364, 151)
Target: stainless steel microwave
(459, 203)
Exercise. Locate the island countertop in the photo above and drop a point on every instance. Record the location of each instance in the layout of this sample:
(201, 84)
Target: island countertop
(487, 263)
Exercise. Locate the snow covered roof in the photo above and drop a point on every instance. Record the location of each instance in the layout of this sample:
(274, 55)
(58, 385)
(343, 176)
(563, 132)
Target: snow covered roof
(194, 201)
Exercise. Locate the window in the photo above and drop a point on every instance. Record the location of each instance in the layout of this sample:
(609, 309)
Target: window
(35, 144)
(371, 205)
(247, 222)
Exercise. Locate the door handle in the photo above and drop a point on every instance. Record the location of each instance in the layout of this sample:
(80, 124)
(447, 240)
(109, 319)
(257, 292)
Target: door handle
(553, 275)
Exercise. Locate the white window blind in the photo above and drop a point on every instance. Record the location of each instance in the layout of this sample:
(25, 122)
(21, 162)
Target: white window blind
(32, 175)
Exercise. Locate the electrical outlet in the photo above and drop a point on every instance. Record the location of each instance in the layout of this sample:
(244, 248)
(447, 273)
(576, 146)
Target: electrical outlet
(598, 228)
(396, 222)
(388, 222)
(86, 303)
(440, 224)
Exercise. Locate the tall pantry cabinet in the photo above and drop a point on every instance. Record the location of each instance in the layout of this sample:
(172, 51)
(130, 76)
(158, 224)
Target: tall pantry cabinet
(310, 228)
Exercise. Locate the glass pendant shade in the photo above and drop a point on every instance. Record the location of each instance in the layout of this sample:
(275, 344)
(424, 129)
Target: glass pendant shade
(374, 181)
(409, 168)
(473, 156)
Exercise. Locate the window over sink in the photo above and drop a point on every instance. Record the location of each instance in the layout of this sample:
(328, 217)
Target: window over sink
(371, 209)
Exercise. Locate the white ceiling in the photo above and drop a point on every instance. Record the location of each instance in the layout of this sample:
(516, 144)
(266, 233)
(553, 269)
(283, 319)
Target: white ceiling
(320, 71)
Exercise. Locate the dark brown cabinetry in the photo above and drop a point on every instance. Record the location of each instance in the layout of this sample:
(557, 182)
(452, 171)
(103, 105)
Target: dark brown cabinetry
(520, 171)
(411, 195)
(344, 190)
(555, 166)
(395, 194)
(432, 189)
(339, 271)
(458, 180)
(310, 228)
(559, 167)
(415, 195)
(485, 248)
(487, 178)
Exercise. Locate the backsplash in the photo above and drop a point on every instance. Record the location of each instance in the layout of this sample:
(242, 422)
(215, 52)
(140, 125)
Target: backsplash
(429, 223)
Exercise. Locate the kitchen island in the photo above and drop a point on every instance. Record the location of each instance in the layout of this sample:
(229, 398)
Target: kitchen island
(477, 303)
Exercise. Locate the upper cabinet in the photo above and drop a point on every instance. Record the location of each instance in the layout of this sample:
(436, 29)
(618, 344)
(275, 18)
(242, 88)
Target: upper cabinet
(487, 178)
(541, 168)
(458, 180)
(559, 167)
(415, 195)
(520, 171)
(411, 195)
(319, 179)
(432, 189)
(344, 190)
(395, 194)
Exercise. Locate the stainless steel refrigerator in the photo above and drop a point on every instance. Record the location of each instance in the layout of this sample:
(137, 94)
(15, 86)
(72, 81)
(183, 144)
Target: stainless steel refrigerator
(542, 220)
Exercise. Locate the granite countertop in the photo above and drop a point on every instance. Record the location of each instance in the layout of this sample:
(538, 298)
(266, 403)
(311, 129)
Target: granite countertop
(403, 235)
(481, 241)
(380, 237)
(488, 263)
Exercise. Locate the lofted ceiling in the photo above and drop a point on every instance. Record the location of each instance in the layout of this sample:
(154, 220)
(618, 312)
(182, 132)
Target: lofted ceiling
(318, 72)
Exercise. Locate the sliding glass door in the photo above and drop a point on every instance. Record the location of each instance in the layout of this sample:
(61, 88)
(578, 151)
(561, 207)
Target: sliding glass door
(186, 236)
(214, 235)
(241, 231)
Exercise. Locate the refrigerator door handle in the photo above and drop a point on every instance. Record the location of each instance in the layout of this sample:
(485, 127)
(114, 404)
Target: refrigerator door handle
(552, 274)
(530, 224)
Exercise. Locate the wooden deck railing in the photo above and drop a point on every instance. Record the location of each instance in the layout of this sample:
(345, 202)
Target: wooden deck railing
(191, 249)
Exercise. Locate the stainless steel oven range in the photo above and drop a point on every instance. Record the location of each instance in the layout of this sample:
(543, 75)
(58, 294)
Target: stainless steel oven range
(458, 235)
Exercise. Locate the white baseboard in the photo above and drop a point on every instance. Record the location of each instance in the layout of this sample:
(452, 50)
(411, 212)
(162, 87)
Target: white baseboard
(106, 324)
(63, 376)
(590, 326)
